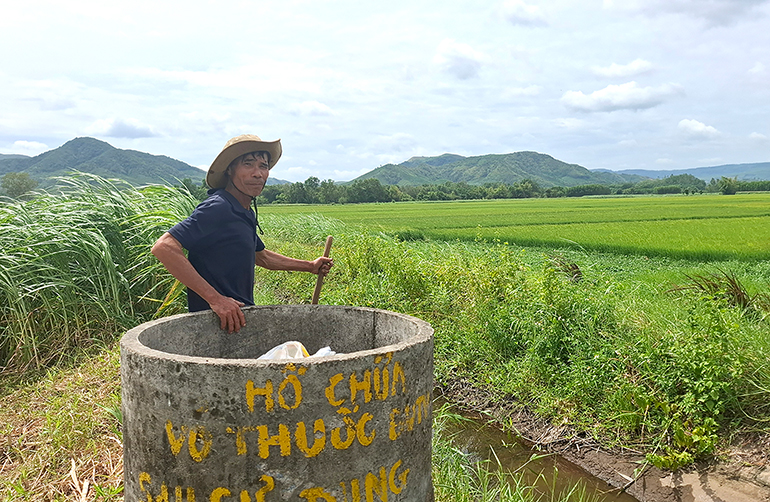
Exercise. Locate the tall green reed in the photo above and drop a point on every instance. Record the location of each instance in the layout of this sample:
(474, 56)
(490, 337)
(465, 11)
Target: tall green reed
(75, 266)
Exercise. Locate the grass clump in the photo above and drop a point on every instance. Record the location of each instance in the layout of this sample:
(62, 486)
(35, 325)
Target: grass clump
(725, 285)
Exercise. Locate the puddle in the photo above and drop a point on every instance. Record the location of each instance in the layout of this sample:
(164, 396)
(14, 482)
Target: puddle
(476, 437)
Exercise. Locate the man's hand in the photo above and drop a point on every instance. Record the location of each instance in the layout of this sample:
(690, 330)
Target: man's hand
(322, 265)
(230, 314)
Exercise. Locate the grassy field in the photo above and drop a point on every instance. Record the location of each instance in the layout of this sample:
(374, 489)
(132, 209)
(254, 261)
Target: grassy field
(699, 227)
(663, 351)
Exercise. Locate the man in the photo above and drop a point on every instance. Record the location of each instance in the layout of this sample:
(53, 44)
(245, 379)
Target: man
(220, 235)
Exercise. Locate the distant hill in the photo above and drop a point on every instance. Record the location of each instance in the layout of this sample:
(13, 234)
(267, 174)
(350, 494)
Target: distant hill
(12, 156)
(97, 157)
(506, 168)
(745, 172)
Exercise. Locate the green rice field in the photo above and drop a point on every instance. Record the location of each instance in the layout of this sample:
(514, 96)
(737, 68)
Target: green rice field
(700, 227)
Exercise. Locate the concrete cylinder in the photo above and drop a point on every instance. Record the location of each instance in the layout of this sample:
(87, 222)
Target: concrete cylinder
(204, 420)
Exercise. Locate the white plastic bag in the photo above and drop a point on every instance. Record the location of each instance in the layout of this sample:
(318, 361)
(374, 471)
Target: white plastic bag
(324, 351)
(293, 350)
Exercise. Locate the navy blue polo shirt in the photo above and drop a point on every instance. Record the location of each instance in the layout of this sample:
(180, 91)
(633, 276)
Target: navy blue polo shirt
(221, 239)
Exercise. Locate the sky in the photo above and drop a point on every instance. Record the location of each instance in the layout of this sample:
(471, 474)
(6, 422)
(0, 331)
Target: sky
(349, 86)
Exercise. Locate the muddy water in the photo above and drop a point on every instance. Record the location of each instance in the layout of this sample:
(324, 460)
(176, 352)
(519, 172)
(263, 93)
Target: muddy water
(479, 439)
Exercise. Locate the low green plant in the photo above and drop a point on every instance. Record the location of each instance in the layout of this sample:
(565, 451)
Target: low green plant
(63, 433)
(612, 353)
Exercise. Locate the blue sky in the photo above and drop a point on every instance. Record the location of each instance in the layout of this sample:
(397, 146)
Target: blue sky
(349, 86)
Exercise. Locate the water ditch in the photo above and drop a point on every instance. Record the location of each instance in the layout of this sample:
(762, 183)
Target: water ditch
(483, 441)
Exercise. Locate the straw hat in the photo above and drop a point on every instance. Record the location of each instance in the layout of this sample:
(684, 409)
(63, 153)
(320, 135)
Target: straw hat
(237, 146)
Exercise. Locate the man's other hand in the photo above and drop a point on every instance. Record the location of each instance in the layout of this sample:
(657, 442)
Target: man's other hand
(322, 265)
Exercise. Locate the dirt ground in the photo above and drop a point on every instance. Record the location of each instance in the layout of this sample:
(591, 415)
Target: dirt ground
(742, 476)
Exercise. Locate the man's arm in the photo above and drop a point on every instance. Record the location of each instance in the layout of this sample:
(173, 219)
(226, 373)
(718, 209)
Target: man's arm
(275, 261)
(170, 253)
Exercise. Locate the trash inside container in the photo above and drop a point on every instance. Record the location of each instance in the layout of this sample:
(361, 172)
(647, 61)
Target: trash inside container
(203, 419)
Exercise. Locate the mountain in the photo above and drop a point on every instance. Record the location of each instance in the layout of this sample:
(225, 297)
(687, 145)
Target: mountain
(97, 157)
(506, 168)
(11, 156)
(744, 172)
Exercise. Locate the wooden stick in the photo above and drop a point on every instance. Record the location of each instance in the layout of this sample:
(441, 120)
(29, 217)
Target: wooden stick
(319, 282)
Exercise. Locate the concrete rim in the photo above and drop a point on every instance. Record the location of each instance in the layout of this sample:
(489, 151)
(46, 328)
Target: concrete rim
(130, 341)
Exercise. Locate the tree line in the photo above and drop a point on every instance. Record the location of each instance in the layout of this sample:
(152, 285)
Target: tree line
(316, 191)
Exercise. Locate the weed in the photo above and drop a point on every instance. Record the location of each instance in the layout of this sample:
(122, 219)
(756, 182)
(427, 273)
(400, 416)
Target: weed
(725, 285)
(568, 268)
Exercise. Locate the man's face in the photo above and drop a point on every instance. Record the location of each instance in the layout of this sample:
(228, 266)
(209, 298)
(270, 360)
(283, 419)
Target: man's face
(250, 174)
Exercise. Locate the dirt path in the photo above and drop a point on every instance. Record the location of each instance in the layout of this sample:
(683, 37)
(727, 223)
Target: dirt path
(743, 475)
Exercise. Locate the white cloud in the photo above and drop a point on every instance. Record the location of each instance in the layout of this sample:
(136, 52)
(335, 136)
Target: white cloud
(249, 77)
(757, 136)
(757, 69)
(297, 173)
(311, 108)
(458, 59)
(120, 128)
(628, 96)
(397, 142)
(636, 67)
(697, 130)
(349, 175)
(520, 13)
(664, 161)
(31, 148)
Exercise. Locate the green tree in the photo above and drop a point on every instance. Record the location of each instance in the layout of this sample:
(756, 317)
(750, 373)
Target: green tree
(754, 186)
(525, 188)
(684, 181)
(396, 194)
(594, 189)
(498, 191)
(556, 192)
(200, 192)
(668, 189)
(367, 190)
(17, 184)
(713, 186)
(728, 186)
(296, 193)
(329, 193)
(270, 193)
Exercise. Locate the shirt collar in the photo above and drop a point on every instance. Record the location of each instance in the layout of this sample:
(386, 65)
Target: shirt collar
(231, 199)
